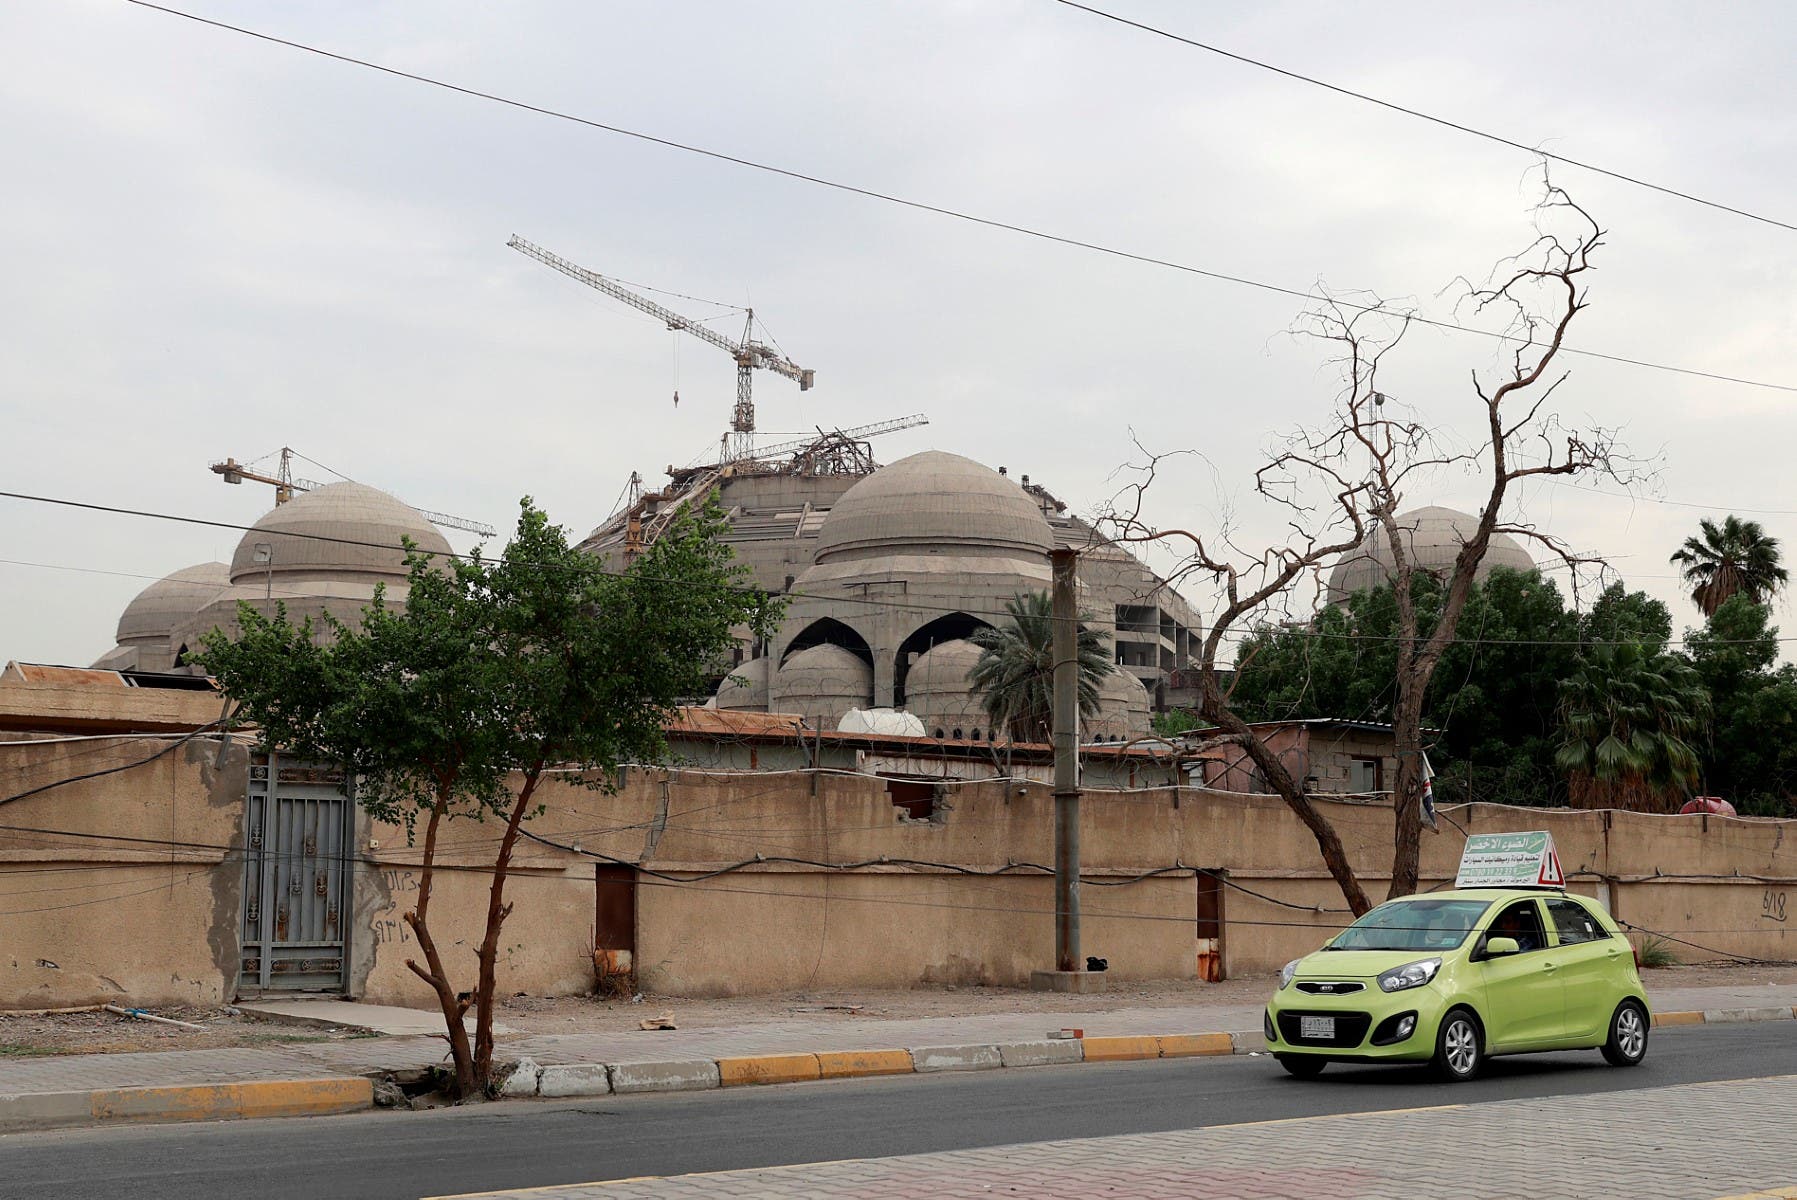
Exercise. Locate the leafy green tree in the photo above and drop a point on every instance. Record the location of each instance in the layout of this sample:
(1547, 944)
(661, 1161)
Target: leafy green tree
(1492, 702)
(1752, 756)
(1630, 723)
(1731, 559)
(1493, 706)
(494, 672)
(1174, 722)
(1014, 676)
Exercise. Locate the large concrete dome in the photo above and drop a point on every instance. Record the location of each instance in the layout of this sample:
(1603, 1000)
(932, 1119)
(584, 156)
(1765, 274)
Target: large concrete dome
(168, 602)
(340, 531)
(1432, 539)
(934, 503)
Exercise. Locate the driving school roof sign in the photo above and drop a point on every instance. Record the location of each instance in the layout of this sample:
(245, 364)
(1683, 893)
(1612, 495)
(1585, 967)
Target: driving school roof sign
(1510, 860)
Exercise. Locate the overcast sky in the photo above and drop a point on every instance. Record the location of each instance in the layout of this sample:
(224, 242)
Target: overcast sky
(216, 246)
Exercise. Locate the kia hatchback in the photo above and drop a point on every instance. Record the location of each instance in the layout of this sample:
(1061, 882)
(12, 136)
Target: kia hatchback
(1451, 978)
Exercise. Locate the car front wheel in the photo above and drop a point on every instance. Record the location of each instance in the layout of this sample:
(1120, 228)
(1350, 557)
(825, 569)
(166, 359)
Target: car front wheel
(1302, 1065)
(1628, 1035)
(1458, 1051)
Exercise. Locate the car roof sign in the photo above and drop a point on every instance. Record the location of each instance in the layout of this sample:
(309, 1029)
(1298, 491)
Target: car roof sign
(1510, 860)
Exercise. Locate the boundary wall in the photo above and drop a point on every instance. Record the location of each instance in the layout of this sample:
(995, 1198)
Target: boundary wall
(124, 880)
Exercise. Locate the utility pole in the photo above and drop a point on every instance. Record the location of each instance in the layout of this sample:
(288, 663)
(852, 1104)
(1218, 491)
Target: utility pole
(1069, 974)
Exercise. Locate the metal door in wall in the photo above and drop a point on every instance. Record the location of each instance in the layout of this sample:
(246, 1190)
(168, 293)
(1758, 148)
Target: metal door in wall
(295, 877)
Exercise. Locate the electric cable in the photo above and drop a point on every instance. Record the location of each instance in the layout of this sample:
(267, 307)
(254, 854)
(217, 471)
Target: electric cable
(883, 603)
(113, 770)
(1423, 116)
(921, 206)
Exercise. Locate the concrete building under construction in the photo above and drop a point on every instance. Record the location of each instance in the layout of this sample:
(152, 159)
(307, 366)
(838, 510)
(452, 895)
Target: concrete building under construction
(888, 570)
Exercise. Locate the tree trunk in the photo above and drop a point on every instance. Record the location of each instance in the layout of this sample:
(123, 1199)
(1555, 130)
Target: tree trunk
(1329, 844)
(419, 919)
(497, 911)
(1407, 792)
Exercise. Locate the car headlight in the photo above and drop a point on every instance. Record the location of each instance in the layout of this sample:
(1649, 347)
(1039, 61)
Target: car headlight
(1287, 971)
(1409, 975)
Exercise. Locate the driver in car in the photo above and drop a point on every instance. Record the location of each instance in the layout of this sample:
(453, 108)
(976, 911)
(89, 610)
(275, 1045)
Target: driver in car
(1512, 924)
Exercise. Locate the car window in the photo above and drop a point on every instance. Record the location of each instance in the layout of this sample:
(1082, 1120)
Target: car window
(1522, 921)
(1412, 925)
(1575, 923)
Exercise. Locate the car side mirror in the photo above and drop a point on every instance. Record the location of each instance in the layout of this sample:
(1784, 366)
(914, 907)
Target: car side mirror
(1498, 946)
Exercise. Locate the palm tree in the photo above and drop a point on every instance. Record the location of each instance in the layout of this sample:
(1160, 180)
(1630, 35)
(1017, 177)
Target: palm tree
(1733, 558)
(1014, 676)
(1628, 718)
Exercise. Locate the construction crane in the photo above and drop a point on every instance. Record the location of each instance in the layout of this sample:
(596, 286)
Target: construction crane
(858, 433)
(748, 353)
(285, 485)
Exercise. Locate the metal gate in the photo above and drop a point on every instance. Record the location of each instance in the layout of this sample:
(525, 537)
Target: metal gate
(295, 877)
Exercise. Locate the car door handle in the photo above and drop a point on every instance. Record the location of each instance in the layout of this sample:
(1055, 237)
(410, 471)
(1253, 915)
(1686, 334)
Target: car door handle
(1548, 966)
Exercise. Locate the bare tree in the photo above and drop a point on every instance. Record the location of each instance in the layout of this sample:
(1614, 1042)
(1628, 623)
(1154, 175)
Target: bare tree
(1344, 485)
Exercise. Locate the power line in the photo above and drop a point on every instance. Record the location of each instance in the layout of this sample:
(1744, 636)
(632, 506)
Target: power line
(886, 603)
(1423, 116)
(937, 209)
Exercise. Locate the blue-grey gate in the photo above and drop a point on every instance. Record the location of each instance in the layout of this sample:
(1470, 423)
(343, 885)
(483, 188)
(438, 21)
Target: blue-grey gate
(298, 835)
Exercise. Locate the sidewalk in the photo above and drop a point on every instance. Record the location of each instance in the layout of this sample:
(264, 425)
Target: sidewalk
(1690, 1142)
(760, 1051)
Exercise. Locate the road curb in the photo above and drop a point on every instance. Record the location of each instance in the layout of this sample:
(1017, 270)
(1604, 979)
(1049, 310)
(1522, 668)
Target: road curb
(849, 1064)
(188, 1102)
(341, 1094)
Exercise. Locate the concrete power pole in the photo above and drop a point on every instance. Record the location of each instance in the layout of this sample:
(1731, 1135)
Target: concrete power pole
(1069, 974)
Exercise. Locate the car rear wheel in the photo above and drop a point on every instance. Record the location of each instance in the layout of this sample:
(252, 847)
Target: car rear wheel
(1459, 1049)
(1302, 1065)
(1628, 1035)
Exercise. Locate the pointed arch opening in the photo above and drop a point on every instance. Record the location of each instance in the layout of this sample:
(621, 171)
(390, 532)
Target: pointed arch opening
(949, 627)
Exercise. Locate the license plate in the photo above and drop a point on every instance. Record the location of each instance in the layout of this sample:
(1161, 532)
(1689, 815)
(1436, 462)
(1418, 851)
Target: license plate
(1317, 1027)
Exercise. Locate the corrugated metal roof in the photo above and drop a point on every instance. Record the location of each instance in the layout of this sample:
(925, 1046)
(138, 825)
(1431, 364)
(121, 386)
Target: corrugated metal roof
(734, 723)
(66, 676)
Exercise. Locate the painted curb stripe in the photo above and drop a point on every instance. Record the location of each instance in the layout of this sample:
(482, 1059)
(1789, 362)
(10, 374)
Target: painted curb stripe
(768, 1068)
(855, 1064)
(191, 1102)
(1193, 1045)
(1121, 1049)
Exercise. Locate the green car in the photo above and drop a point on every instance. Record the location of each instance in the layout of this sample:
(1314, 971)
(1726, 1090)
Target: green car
(1450, 978)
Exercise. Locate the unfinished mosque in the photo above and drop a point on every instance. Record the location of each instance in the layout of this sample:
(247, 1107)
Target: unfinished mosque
(887, 570)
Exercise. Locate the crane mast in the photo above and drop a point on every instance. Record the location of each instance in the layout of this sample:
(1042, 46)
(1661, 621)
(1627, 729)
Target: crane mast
(750, 355)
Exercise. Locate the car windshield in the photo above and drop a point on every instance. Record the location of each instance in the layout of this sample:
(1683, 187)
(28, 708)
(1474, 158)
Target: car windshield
(1412, 925)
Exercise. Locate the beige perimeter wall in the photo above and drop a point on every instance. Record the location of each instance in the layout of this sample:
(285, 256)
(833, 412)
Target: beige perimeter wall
(128, 886)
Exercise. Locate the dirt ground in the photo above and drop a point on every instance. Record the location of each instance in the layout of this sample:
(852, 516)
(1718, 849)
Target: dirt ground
(109, 1033)
(101, 1032)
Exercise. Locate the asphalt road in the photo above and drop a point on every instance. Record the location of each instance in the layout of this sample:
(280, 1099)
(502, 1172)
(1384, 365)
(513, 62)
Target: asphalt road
(390, 1155)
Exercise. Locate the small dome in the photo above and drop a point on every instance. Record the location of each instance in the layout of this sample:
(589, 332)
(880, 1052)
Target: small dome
(823, 683)
(936, 689)
(931, 503)
(170, 601)
(745, 689)
(342, 529)
(942, 670)
(1124, 710)
(1432, 537)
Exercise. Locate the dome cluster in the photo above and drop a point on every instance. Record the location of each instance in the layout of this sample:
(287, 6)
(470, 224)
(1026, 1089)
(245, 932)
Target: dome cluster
(910, 562)
(325, 551)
